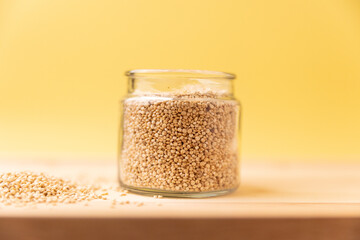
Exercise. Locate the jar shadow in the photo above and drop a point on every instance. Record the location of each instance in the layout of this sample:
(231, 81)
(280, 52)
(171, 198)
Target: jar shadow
(251, 191)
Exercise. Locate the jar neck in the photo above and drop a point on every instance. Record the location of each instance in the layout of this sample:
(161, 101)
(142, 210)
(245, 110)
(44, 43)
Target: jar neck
(178, 82)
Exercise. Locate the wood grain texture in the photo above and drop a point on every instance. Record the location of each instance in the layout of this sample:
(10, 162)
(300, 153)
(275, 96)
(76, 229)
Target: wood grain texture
(275, 201)
(179, 229)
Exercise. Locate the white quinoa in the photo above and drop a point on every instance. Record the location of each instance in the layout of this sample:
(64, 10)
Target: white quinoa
(27, 188)
(182, 142)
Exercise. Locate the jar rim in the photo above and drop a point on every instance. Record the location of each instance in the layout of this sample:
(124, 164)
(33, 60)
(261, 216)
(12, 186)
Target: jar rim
(180, 73)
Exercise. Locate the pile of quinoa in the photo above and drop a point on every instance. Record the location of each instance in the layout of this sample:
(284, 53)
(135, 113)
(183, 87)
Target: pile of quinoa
(180, 142)
(28, 188)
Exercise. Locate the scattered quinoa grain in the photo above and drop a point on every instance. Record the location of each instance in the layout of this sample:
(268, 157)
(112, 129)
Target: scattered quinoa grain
(28, 188)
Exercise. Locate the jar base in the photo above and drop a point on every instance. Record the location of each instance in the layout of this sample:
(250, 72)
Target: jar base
(175, 194)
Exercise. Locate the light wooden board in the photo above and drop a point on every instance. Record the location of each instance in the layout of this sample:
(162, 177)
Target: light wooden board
(321, 200)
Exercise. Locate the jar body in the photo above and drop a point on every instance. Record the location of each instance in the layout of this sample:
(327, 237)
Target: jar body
(179, 144)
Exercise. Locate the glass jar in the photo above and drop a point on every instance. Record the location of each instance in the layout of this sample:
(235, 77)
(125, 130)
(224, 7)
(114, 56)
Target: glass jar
(179, 133)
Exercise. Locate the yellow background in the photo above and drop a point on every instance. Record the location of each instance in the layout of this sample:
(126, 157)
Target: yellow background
(297, 62)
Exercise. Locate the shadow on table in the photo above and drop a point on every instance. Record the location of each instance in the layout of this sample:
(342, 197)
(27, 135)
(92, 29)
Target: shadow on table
(251, 191)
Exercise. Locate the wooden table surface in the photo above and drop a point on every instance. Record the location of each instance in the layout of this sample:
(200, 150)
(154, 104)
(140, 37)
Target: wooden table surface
(275, 201)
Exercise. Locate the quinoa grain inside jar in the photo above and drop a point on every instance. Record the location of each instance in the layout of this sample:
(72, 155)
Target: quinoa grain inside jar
(179, 133)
